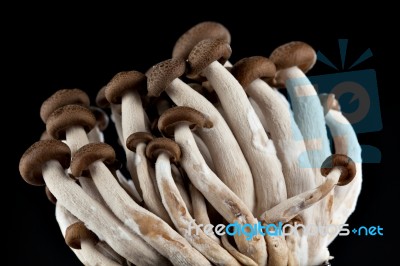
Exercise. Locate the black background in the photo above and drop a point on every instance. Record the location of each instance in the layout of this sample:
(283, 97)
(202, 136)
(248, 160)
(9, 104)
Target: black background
(84, 49)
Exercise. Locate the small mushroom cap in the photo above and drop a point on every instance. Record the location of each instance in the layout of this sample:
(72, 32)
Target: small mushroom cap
(182, 114)
(61, 98)
(122, 82)
(102, 119)
(293, 54)
(101, 100)
(162, 74)
(30, 165)
(348, 167)
(68, 116)
(90, 153)
(206, 52)
(77, 232)
(138, 137)
(249, 69)
(159, 145)
(329, 102)
(50, 195)
(201, 31)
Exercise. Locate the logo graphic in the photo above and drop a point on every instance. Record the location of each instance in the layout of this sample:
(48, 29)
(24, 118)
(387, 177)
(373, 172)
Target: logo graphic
(357, 93)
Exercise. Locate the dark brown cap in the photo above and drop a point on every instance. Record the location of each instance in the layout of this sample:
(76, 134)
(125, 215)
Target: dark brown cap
(123, 82)
(139, 137)
(201, 31)
(160, 145)
(101, 100)
(32, 161)
(68, 116)
(182, 114)
(77, 232)
(346, 164)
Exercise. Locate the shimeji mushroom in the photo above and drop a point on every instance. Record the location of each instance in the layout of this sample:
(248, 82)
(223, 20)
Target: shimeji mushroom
(178, 122)
(339, 170)
(345, 140)
(164, 150)
(292, 60)
(123, 88)
(148, 226)
(102, 120)
(44, 163)
(258, 149)
(232, 168)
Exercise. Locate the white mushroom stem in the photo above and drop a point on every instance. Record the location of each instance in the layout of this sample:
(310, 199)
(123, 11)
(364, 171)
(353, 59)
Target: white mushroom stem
(76, 137)
(258, 149)
(288, 209)
(89, 187)
(204, 151)
(259, 114)
(218, 194)
(232, 168)
(181, 218)
(180, 183)
(243, 259)
(88, 254)
(133, 118)
(287, 137)
(308, 114)
(150, 196)
(152, 229)
(95, 135)
(345, 140)
(200, 210)
(97, 218)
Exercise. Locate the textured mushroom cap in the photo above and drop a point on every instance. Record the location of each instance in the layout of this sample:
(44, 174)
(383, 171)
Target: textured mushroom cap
(68, 116)
(50, 195)
(201, 31)
(182, 114)
(162, 74)
(348, 167)
(77, 232)
(329, 102)
(102, 119)
(159, 145)
(138, 137)
(61, 98)
(206, 52)
(90, 153)
(123, 82)
(293, 54)
(30, 165)
(101, 100)
(249, 69)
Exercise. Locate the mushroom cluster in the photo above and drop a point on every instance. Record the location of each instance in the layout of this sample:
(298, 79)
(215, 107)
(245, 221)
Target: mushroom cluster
(206, 143)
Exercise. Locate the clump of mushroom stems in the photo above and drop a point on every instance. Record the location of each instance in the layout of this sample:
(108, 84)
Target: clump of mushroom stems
(231, 152)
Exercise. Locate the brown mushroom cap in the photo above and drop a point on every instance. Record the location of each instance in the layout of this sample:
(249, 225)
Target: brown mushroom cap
(201, 31)
(122, 82)
(182, 114)
(50, 195)
(68, 116)
(102, 119)
(160, 145)
(61, 98)
(30, 165)
(348, 167)
(206, 52)
(162, 74)
(293, 54)
(101, 100)
(76, 232)
(249, 69)
(138, 137)
(90, 153)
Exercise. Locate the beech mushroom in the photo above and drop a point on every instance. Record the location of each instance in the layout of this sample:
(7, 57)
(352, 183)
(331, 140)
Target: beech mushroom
(205, 59)
(232, 168)
(164, 150)
(292, 60)
(151, 228)
(44, 163)
(179, 121)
